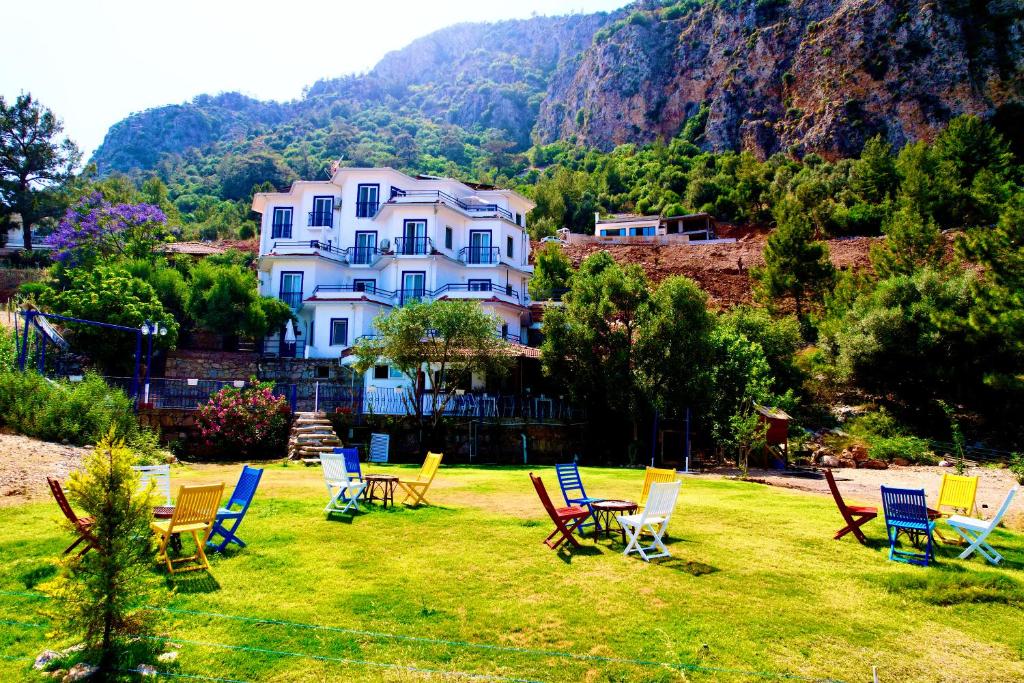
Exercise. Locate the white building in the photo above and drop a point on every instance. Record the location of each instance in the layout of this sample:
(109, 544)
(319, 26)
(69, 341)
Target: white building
(698, 226)
(343, 251)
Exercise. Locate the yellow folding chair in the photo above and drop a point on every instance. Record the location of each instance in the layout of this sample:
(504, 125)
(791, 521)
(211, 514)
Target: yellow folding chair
(959, 493)
(655, 475)
(417, 488)
(194, 512)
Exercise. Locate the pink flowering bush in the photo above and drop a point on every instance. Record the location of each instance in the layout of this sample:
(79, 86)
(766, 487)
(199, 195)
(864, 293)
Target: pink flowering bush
(240, 423)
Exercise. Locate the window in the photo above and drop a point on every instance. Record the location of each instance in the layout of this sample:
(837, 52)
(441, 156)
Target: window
(414, 238)
(480, 247)
(381, 371)
(519, 219)
(479, 285)
(395, 373)
(281, 225)
(510, 245)
(645, 231)
(339, 331)
(290, 291)
(322, 214)
(448, 237)
(367, 200)
(323, 372)
(504, 331)
(364, 286)
(611, 232)
(366, 247)
(414, 286)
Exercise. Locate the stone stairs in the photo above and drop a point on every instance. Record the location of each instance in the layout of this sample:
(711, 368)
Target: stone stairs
(311, 435)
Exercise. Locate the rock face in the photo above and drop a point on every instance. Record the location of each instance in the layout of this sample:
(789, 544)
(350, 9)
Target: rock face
(803, 75)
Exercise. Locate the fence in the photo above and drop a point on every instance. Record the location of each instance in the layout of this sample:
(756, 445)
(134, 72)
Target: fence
(189, 394)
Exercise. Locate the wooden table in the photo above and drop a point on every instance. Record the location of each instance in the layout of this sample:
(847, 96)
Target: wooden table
(605, 512)
(380, 487)
(166, 512)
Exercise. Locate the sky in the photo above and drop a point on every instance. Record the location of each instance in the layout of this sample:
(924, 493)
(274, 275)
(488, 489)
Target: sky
(93, 62)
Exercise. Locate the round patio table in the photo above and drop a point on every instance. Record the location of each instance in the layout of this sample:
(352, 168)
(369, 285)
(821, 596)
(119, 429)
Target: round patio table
(605, 512)
(166, 512)
(380, 487)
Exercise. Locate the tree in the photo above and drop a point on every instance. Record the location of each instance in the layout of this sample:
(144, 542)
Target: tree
(451, 339)
(93, 229)
(108, 294)
(795, 264)
(873, 176)
(779, 339)
(589, 342)
(223, 298)
(911, 242)
(34, 160)
(740, 376)
(552, 270)
(104, 594)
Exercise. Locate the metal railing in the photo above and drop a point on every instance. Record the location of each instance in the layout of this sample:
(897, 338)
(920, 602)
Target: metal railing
(412, 294)
(505, 290)
(367, 209)
(360, 288)
(413, 246)
(321, 219)
(439, 196)
(317, 245)
(480, 255)
(279, 348)
(362, 256)
(293, 299)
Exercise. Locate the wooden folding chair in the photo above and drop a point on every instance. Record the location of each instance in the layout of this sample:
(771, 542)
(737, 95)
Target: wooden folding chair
(975, 531)
(566, 519)
(417, 488)
(82, 525)
(855, 516)
(194, 513)
(654, 520)
(655, 475)
(957, 496)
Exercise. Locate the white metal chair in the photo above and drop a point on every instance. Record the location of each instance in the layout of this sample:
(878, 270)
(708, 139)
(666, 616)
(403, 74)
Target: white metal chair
(343, 485)
(654, 520)
(379, 445)
(975, 531)
(160, 475)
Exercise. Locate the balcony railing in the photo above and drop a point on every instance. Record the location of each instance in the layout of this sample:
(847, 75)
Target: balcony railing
(408, 296)
(362, 256)
(362, 288)
(479, 255)
(321, 219)
(283, 230)
(367, 209)
(401, 297)
(454, 289)
(413, 246)
(451, 200)
(279, 348)
(324, 247)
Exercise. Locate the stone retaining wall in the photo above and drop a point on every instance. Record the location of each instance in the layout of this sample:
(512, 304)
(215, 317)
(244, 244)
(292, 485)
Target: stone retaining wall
(222, 365)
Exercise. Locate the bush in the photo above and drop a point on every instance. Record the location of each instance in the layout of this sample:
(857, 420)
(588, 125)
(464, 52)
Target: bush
(907, 447)
(1017, 467)
(76, 412)
(239, 423)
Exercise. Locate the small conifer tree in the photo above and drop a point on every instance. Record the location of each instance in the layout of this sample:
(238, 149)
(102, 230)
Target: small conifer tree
(102, 594)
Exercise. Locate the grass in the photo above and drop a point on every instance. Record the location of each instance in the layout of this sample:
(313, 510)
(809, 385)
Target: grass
(755, 584)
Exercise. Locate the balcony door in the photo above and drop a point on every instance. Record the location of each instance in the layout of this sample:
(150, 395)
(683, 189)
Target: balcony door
(322, 214)
(366, 245)
(367, 200)
(414, 238)
(414, 286)
(291, 289)
(479, 246)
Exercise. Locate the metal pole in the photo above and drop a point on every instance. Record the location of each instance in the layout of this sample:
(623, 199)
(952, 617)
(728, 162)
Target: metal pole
(138, 358)
(149, 355)
(687, 442)
(654, 436)
(42, 353)
(24, 341)
(316, 397)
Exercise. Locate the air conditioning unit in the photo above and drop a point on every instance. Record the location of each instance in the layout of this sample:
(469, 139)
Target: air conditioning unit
(385, 244)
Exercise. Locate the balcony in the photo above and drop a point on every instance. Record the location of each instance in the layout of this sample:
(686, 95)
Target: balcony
(413, 246)
(437, 196)
(480, 256)
(293, 299)
(363, 256)
(298, 247)
(360, 292)
(321, 219)
(404, 297)
(367, 209)
(478, 290)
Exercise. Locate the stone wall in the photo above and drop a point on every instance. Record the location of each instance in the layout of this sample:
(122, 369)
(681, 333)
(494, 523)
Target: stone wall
(173, 424)
(222, 365)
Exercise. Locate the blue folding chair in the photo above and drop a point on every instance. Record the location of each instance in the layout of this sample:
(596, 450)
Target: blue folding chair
(906, 512)
(572, 490)
(242, 497)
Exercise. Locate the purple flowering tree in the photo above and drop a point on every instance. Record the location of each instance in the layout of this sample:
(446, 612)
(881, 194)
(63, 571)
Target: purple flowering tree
(94, 228)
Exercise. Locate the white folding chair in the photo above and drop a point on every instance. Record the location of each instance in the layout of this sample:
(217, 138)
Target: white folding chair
(661, 501)
(379, 444)
(342, 486)
(160, 475)
(975, 531)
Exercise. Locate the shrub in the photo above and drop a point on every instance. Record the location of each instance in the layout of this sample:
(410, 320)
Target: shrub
(1017, 467)
(77, 412)
(238, 423)
(907, 447)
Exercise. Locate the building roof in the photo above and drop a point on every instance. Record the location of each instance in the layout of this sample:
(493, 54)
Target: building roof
(627, 218)
(190, 248)
(772, 413)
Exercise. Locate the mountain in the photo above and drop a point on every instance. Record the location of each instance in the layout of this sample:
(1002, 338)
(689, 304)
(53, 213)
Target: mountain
(768, 75)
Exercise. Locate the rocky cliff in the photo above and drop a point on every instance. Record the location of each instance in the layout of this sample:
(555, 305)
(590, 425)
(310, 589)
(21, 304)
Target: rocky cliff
(803, 75)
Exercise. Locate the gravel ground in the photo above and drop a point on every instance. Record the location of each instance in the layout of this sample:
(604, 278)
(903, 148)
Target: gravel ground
(864, 486)
(25, 463)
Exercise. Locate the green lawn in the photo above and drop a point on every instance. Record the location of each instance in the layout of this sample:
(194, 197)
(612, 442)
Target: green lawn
(755, 584)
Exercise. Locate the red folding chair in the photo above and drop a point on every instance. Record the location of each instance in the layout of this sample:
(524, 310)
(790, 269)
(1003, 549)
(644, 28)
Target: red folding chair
(566, 519)
(83, 525)
(856, 516)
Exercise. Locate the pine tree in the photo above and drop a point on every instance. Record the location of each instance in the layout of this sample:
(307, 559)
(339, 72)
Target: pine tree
(795, 264)
(911, 242)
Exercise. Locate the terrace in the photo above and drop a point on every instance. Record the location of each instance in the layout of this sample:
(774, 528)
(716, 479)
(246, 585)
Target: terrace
(482, 290)
(472, 208)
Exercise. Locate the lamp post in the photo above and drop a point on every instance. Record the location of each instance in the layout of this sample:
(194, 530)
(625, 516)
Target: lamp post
(149, 330)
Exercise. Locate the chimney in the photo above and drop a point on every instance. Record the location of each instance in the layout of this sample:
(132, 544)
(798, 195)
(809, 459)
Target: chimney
(597, 217)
